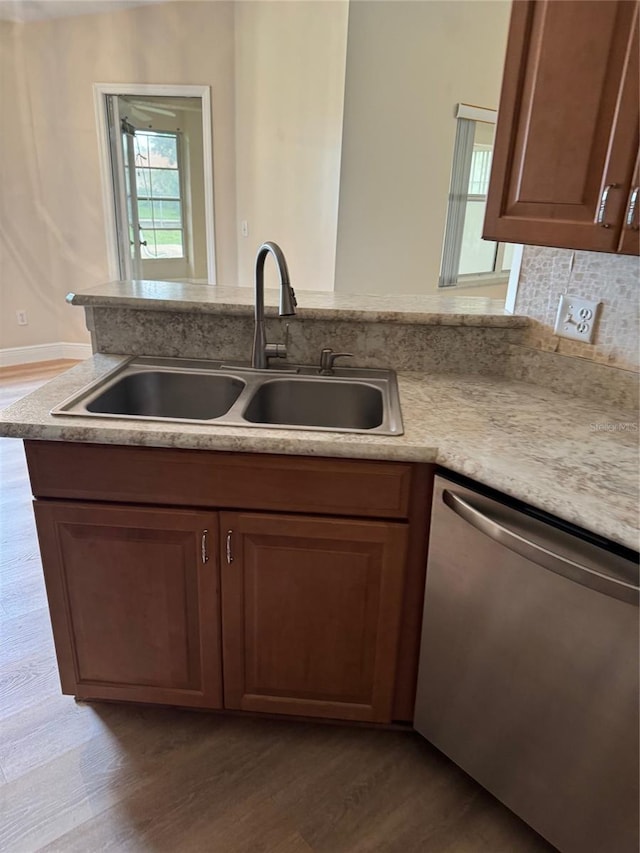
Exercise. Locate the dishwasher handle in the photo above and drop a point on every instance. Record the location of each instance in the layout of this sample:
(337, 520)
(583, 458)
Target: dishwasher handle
(496, 530)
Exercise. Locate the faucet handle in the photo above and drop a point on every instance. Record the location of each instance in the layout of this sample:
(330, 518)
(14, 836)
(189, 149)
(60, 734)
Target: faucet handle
(327, 359)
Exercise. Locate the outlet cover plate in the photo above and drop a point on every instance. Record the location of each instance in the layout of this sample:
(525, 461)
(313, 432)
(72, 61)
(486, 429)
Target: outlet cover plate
(576, 318)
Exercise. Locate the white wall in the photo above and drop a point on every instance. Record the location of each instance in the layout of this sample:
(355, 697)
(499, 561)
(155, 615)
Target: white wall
(290, 77)
(25, 251)
(408, 65)
(53, 230)
(285, 63)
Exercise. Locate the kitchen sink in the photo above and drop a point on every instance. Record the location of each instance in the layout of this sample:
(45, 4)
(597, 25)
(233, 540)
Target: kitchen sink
(322, 402)
(157, 394)
(207, 392)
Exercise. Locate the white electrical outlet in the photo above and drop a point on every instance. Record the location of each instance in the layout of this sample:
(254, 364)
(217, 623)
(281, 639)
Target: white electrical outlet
(244, 228)
(576, 318)
(21, 317)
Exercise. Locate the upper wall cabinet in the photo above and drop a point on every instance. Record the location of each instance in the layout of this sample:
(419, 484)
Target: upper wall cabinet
(567, 134)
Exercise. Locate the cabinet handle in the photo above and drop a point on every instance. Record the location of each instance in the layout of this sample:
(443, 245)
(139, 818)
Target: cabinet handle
(603, 205)
(631, 212)
(229, 551)
(203, 547)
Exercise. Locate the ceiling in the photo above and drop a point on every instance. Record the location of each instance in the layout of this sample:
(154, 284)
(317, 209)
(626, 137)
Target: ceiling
(37, 10)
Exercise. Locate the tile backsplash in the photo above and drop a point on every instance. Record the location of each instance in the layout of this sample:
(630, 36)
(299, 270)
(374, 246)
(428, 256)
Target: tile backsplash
(613, 280)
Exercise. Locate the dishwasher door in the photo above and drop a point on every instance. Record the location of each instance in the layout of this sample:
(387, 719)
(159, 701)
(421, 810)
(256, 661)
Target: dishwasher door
(528, 675)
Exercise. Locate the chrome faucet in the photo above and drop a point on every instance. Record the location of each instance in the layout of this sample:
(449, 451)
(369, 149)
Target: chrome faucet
(263, 351)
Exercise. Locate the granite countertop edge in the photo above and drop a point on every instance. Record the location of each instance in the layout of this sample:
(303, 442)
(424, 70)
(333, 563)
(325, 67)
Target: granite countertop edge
(573, 459)
(445, 310)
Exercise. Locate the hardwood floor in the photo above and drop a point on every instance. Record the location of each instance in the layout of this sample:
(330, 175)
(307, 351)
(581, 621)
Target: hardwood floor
(100, 777)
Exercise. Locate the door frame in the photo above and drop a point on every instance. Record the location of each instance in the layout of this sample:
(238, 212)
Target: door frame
(100, 93)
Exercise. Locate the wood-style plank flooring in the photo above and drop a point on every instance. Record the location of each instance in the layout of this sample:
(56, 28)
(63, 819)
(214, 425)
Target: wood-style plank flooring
(100, 777)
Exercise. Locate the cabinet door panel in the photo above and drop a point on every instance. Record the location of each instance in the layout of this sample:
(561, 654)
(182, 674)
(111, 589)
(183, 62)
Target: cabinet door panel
(311, 615)
(567, 124)
(133, 605)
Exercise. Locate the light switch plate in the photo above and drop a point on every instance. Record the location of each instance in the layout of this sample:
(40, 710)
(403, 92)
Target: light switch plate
(576, 318)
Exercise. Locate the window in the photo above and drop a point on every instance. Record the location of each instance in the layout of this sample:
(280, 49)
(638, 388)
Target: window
(466, 257)
(159, 194)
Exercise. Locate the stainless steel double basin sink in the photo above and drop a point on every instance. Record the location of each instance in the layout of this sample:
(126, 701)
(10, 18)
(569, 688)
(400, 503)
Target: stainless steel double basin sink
(297, 397)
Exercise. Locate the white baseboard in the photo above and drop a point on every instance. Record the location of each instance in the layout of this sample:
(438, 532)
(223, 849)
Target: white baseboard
(11, 356)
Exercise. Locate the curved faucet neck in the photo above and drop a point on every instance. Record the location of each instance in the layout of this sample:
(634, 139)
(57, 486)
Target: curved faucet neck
(278, 255)
(287, 300)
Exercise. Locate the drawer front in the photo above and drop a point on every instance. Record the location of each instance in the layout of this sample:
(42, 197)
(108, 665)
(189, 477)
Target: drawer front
(200, 478)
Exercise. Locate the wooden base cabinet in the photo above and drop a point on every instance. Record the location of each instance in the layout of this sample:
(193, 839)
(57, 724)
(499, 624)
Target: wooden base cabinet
(133, 598)
(300, 578)
(311, 614)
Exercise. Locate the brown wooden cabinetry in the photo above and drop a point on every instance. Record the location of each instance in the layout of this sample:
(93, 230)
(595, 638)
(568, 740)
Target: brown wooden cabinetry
(319, 610)
(133, 598)
(567, 133)
(311, 614)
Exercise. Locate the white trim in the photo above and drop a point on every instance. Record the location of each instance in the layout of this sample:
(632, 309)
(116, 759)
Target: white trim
(476, 113)
(108, 205)
(478, 281)
(10, 356)
(100, 90)
(207, 156)
(514, 278)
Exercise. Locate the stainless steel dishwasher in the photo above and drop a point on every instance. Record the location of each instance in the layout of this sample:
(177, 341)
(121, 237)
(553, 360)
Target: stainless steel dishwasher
(528, 675)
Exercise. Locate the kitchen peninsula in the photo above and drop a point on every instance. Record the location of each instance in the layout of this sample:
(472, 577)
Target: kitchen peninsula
(460, 366)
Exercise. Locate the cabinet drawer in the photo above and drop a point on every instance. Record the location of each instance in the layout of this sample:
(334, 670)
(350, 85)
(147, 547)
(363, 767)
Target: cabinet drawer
(200, 478)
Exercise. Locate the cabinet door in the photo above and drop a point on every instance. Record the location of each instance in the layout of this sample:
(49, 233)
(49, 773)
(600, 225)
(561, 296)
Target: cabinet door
(133, 597)
(630, 238)
(567, 125)
(311, 614)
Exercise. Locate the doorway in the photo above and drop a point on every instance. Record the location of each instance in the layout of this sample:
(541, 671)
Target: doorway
(157, 181)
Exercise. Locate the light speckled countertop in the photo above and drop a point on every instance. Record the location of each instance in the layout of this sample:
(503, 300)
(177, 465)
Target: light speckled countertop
(446, 310)
(575, 459)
